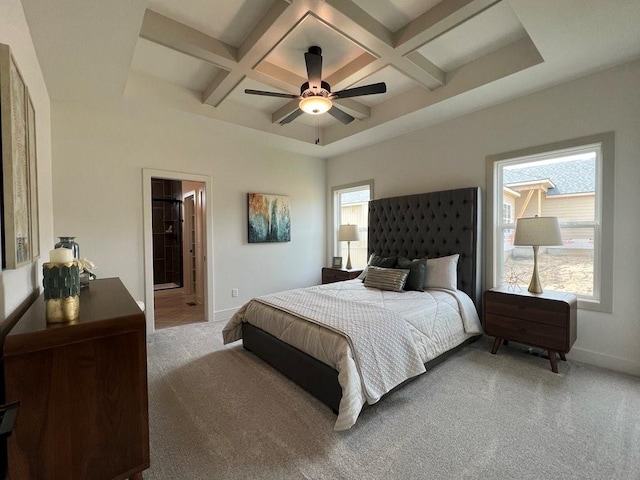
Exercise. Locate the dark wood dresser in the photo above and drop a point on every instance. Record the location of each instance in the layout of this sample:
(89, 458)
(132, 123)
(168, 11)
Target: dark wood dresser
(546, 320)
(330, 275)
(82, 389)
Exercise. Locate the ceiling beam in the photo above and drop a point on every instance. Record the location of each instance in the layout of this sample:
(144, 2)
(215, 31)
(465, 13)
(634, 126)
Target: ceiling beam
(350, 73)
(353, 23)
(281, 74)
(436, 21)
(354, 108)
(263, 38)
(284, 112)
(177, 36)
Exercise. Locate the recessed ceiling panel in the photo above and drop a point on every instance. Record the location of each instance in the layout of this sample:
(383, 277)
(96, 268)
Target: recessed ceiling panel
(396, 82)
(395, 14)
(228, 21)
(487, 32)
(172, 67)
(337, 51)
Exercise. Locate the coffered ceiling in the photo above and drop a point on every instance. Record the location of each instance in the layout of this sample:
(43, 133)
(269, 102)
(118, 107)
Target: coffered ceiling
(438, 58)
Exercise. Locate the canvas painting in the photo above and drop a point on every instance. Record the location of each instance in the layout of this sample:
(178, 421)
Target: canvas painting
(18, 165)
(269, 218)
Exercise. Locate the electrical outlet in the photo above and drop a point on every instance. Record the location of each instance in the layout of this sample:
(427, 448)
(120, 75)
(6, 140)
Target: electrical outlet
(234, 292)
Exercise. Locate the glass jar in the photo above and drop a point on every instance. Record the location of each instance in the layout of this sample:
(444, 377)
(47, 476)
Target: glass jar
(69, 242)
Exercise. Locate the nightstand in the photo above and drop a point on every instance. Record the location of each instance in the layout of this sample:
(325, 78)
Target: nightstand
(545, 320)
(330, 275)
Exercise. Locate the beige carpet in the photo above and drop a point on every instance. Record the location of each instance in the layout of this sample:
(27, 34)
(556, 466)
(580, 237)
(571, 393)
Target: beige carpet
(218, 412)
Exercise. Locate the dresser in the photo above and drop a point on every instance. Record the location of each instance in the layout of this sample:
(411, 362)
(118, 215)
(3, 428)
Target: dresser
(330, 275)
(82, 389)
(546, 320)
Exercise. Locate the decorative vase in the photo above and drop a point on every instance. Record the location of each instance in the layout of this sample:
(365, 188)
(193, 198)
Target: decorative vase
(70, 243)
(61, 282)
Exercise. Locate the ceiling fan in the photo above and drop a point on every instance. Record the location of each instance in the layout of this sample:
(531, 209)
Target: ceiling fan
(316, 96)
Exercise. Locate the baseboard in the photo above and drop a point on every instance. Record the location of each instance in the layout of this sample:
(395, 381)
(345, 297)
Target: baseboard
(224, 315)
(605, 361)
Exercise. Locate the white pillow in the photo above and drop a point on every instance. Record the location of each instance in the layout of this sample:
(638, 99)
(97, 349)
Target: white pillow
(442, 272)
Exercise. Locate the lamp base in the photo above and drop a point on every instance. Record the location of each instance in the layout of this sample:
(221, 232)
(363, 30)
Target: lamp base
(535, 286)
(348, 255)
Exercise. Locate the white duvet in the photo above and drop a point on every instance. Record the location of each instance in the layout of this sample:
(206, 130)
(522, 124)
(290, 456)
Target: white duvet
(438, 320)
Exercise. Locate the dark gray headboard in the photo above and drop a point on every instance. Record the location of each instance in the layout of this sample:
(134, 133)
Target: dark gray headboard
(431, 225)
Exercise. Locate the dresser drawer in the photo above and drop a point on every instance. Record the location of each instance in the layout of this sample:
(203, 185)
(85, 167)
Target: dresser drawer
(532, 333)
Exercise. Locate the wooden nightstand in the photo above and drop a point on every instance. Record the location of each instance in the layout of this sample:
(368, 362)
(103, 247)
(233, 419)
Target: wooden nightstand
(546, 320)
(330, 275)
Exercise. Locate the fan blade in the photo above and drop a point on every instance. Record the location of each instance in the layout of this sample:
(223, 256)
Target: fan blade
(314, 69)
(338, 114)
(270, 94)
(358, 91)
(291, 117)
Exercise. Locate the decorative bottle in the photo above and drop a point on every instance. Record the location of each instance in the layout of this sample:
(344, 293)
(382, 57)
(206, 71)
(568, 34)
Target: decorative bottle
(69, 242)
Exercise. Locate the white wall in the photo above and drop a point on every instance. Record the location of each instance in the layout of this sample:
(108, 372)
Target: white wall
(99, 155)
(452, 154)
(17, 285)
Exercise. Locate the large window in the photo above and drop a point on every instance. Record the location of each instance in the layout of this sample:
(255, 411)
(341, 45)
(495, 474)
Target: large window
(572, 181)
(351, 206)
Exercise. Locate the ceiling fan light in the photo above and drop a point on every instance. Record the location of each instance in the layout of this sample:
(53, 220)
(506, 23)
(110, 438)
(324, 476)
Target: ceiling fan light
(315, 105)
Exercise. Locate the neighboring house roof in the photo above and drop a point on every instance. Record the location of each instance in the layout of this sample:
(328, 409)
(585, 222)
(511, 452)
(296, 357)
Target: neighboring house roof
(357, 196)
(575, 176)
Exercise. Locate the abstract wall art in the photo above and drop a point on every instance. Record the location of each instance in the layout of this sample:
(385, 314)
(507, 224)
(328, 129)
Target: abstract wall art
(269, 218)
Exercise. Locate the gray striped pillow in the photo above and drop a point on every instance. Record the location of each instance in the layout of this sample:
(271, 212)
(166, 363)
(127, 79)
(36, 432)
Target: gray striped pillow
(386, 278)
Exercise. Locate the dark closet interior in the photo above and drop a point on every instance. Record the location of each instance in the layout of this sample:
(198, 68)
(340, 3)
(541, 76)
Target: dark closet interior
(167, 233)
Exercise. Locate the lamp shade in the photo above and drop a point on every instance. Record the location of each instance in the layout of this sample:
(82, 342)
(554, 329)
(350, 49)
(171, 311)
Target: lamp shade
(538, 231)
(348, 233)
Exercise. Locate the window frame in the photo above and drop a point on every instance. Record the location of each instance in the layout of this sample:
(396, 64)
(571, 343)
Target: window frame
(336, 246)
(603, 259)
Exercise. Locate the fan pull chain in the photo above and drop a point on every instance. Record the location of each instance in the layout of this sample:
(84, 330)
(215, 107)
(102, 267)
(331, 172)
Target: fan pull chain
(317, 130)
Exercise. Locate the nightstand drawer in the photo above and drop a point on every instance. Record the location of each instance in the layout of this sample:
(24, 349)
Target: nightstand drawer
(330, 275)
(532, 333)
(334, 276)
(547, 312)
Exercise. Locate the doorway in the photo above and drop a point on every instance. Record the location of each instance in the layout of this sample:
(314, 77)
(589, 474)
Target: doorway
(178, 271)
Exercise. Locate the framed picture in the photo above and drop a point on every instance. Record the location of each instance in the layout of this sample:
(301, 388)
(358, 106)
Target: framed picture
(18, 165)
(337, 262)
(269, 218)
(33, 177)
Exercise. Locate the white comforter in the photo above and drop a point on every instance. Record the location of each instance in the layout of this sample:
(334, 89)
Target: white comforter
(437, 320)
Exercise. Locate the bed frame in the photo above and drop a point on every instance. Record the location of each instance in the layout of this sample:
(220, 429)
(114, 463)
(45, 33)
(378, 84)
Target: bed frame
(430, 225)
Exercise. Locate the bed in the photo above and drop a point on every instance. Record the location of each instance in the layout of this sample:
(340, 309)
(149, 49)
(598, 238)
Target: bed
(277, 329)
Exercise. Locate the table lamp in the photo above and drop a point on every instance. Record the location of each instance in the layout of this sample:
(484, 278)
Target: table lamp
(348, 233)
(537, 231)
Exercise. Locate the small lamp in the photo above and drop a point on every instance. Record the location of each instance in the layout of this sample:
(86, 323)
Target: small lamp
(537, 231)
(348, 233)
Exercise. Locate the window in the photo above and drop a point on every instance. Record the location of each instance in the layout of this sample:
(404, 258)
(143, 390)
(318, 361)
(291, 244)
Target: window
(351, 206)
(507, 213)
(574, 182)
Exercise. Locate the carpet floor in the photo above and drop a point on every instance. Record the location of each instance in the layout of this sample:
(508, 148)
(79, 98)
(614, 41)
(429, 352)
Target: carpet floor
(218, 412)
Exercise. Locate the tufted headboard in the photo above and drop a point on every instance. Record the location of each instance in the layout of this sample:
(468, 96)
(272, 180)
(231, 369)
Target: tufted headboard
(431, 225)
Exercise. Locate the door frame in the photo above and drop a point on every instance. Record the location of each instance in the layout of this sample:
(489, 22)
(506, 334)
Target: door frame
(147, 175)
